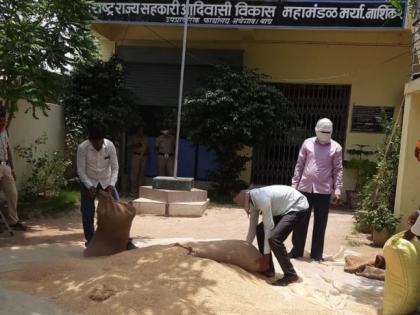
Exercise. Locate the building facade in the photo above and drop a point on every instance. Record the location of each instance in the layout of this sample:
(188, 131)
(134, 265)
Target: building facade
(346, 60)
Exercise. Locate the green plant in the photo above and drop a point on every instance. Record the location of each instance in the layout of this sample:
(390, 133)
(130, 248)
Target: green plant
(236, 108)
(47, 169)
(39, 40)
(97, 92)
(39, 206)
(381, 219)
(364, 171)
(411, 5)
(74, 135)
(220, 197)
(378, 194)
(364, 167)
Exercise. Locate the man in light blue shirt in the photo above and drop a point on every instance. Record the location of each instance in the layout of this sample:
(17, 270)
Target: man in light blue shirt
(282, 208)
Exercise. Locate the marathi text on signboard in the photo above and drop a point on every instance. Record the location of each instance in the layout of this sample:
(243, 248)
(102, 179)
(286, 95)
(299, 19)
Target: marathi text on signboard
(255, 13)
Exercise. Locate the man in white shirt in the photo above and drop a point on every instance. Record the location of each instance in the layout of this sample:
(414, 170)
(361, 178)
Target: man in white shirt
(8, 176)
(282, 208)
(97, 167)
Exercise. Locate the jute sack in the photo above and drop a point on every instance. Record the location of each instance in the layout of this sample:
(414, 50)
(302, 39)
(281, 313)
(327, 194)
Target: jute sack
(235, 252)
(113, 231)
(402, 275)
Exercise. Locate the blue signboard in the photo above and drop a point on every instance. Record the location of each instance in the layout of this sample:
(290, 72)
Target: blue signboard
(256, 14)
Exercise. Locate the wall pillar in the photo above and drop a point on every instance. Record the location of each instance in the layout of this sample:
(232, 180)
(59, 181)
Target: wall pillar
(408, 183)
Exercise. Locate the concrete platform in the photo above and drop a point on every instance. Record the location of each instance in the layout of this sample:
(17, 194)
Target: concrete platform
(172, 196)
(173, 183)
(165, 202)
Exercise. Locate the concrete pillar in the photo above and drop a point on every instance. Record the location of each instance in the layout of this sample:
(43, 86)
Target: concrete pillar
(408, 183)
(106, 46)
(106, 49)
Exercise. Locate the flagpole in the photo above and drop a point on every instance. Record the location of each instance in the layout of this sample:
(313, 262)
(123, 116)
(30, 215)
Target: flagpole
(181, 86)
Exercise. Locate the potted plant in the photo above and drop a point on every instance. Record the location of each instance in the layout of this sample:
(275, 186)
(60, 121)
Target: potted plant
(383, 224)
(361, 224)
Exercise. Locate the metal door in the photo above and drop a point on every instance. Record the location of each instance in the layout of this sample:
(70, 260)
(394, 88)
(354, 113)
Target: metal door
(273, 162)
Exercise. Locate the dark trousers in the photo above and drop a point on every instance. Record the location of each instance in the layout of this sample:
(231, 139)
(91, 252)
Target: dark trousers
(87, 208)
(321, 205)
(284, 225)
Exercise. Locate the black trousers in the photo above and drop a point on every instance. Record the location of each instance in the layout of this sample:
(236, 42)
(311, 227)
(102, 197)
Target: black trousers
(320, 203)
(283, 227)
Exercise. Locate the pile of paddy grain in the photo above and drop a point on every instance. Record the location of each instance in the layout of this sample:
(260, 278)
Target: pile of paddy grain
(156, 280)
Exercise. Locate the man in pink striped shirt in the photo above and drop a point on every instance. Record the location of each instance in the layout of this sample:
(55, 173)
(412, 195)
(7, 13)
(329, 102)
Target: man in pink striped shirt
(318, 175)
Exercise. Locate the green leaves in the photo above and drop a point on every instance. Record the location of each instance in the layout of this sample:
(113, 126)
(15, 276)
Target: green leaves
(365, 169)
(48, 168)
(380, 219)
(378, 194)
(97, 92)
(39, 39)
(397, 4)
(236, 108)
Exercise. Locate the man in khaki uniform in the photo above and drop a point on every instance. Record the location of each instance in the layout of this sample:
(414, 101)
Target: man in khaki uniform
(8, 176)
(165, 149)
(139, 149)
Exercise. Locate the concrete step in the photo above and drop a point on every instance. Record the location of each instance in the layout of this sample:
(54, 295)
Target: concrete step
(149, 206)
(188, 209)
(171, 196)
(177, 209)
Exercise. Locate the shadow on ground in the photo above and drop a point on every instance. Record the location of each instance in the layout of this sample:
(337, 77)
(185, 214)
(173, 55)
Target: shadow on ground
(65, 228)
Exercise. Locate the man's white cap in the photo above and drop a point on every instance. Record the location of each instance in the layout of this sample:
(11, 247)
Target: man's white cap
(415, 229)
(324, 124)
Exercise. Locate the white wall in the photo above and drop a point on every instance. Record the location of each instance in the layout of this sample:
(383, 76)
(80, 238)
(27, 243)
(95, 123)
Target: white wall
(25, 129)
